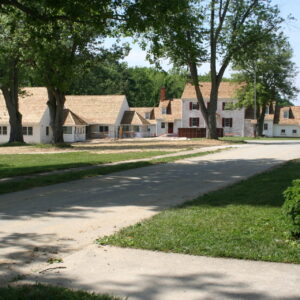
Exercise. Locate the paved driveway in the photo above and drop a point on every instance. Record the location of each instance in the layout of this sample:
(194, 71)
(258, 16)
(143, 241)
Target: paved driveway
(64, 219)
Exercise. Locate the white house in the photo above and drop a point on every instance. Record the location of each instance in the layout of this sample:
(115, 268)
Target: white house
(84, 116)
(35, 116)
(102, 114)
(283, 122)
(229, 120)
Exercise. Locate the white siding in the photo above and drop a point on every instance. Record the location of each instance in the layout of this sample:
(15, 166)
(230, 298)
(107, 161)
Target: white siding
(269, 131)
(159, 130)
(288, 130)
(45, 122)
(237, 115)
(4, 138)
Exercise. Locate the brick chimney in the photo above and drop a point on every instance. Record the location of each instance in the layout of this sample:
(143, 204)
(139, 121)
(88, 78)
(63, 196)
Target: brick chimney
(163, 94)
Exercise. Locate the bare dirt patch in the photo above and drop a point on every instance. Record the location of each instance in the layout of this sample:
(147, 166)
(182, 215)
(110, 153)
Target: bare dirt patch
(118, 146)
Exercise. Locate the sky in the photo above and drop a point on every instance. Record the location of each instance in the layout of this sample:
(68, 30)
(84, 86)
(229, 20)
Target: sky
(137, 57)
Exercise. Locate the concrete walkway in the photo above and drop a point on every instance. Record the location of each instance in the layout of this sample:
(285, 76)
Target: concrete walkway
(84, 168)
(63, 221)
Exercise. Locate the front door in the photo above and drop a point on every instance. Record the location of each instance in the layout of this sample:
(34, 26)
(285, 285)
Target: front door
(170, 127)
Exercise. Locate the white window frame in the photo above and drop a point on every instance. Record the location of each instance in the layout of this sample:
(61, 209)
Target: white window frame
(164, 110)
(66, 130)
(195, 106)
(147, 115)
(102, 128)
(286, 114)
(3, 130)
(27, 130)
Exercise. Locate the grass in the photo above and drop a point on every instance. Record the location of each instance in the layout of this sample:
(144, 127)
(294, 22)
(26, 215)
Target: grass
(46, 292)
(13, 186)
(25, 164)
(242, 221)
(235, 139)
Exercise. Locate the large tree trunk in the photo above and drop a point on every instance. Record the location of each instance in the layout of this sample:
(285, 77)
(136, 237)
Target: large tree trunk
(261, 121)
(56, 104)
(195, 82)
(212, 110)
(11, 97)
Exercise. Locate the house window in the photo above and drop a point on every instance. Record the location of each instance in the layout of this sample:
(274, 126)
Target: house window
(194, 106)
(126, 128)
(47, 130)
(163, 125)
(147, 115)
(283, 131)
(164, 110)
(194, 122)
(267, 110)
(294, 131)
(265, 126)
(3, 130)
(103, 128)
(27, 130)
(67, 130)
(226, 105)
(286, 114)
(227, 122)
(136, 128)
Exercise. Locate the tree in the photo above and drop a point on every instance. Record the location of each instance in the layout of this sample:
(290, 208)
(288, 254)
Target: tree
(269, 76)
(141, 85)
(13, 43)
(212, 31)
(59, 48)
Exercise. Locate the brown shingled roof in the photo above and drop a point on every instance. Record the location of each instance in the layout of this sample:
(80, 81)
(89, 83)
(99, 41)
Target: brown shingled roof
(294, 115)
(96, 109)
(71, 119)
(32, 105)
(174, 106)
(227, 90)
(133, 118)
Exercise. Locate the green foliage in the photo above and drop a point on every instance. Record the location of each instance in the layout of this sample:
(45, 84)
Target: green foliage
(141, 85)
(274, 70)
(47, 292)
(291, 208)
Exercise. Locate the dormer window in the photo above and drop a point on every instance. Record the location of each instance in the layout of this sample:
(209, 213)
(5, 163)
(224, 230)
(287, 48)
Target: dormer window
(286, 114)
(267, 110)
(164, 110)
(147, 115)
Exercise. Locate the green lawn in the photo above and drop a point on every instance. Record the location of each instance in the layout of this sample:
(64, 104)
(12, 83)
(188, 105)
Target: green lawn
(24, 164)
(241, 221)
(43, 292)
(7, 187)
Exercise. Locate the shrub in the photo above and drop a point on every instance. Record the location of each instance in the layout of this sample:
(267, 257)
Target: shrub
(291, 208)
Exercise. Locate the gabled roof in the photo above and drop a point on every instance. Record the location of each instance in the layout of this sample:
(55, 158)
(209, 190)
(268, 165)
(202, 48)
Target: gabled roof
(294, 115)
(174, 106)
(227, 90)
(133, 118)
(32, 105)
(71, 119)
(96, 109)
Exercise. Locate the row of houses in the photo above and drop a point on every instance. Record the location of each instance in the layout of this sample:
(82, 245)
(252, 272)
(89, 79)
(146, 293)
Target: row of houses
(91, 117)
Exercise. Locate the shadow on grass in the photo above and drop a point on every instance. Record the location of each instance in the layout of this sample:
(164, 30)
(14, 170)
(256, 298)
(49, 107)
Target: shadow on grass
(43, 292)
(253, 191)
